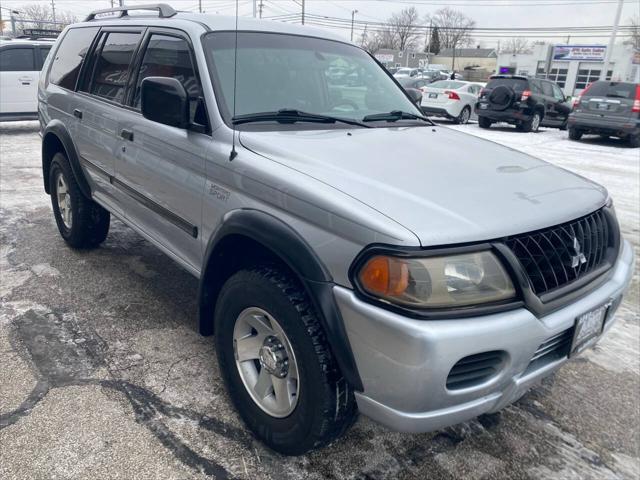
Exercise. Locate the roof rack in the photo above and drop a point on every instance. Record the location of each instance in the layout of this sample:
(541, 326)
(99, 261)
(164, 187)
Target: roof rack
(164, 11)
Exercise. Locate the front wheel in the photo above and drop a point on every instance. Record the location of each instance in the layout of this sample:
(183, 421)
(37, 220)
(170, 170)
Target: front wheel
(82, 223)
(464, 116)
(277, 364)
(633, 141)
(484, 122)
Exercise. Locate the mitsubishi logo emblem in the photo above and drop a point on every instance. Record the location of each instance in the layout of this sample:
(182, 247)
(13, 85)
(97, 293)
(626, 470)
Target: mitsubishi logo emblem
(579, 258)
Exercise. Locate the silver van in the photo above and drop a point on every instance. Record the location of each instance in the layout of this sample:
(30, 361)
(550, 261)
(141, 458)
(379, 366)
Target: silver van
(352, 256)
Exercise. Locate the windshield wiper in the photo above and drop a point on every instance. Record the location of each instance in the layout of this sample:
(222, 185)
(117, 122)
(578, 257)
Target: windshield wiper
(394, 116)
(287, 115)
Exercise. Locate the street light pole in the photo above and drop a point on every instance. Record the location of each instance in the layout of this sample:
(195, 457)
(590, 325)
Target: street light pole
(353, 14)
(612, 40)
(302, 5)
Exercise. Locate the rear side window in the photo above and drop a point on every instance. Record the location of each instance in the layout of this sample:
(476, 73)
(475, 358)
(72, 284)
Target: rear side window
(168, 56)
(69, 56)
(43, 54)
(547, 89)
(112, 68)
(611, 89)
(518, 84)
(17, 60)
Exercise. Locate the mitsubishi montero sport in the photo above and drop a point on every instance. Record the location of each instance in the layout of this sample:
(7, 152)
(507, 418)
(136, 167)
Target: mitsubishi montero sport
(352, 256)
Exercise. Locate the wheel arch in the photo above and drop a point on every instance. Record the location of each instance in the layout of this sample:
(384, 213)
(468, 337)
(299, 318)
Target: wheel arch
(248, 236)
(56, 139)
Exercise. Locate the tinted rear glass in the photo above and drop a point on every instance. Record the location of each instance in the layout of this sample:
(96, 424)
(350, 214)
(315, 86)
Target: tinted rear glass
(69, 56)
(612, 89)
(111, 73)
(17, 60)
(518, 84)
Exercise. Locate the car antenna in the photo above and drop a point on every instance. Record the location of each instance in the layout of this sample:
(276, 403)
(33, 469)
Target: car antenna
(233, 153)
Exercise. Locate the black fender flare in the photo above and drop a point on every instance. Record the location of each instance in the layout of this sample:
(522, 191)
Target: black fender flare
(59, 130)
(297, 254)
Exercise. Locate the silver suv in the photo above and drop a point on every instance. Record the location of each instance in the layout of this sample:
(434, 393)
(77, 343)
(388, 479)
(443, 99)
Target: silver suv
(352, 256)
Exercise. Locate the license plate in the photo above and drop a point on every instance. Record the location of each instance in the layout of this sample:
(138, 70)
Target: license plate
(484, 106)
(603, 106)
(433, 95)
(589, 326)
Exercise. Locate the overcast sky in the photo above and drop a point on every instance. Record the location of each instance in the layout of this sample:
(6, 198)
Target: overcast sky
(486, 13)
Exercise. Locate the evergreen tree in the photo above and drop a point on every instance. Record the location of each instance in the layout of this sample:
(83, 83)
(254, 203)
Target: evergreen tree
(434, 45)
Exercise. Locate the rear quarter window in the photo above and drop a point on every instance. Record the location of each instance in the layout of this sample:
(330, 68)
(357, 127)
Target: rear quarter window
(518, 84)
(69, 56)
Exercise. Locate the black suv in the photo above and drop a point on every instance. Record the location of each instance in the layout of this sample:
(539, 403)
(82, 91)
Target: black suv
(523, 101)
(608, 109)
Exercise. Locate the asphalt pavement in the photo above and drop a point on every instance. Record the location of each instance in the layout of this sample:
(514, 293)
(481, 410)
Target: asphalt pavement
(103, 374)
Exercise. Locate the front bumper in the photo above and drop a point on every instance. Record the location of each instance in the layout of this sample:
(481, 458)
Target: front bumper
(404, 363)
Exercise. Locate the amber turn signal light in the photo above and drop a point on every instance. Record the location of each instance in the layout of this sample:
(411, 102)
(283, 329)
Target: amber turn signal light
(385, 276)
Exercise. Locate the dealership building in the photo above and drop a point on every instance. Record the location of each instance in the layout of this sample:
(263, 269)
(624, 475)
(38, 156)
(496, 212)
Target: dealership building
(573, 67)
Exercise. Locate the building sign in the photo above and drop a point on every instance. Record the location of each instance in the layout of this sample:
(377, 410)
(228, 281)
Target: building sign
(384, 57)
(592, 53)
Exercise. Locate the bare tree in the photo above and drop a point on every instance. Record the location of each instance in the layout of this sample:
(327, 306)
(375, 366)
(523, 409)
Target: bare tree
(635, 31)
(40, 16)
(454, 28)
(405, 27)
(515, 45)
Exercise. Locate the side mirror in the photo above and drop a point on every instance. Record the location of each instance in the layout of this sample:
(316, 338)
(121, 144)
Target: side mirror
(415, 95)
(164, 100)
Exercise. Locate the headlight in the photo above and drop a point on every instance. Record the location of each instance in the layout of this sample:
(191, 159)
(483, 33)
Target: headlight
(437, 282)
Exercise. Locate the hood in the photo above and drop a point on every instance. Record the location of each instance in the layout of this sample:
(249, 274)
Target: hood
(443, 185)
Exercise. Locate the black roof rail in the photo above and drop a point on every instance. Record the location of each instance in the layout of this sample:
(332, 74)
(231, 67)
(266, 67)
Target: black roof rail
(164, 11)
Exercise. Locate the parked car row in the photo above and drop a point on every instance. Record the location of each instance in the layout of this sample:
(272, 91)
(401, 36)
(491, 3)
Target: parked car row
(605, 108)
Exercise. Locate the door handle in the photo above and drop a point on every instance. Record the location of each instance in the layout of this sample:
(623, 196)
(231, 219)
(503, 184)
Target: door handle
(77, 113)
(127, 135)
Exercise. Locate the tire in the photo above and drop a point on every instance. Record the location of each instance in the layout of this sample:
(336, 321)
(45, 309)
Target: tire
(464, 116)
(564, 125)
(81, 221)
(324, 406)
(484, 122)
(575, 134)
(633, 141)
(533, 124)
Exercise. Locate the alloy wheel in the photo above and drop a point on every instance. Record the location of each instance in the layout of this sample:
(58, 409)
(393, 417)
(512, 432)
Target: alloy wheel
(266, 362)
(64, 201)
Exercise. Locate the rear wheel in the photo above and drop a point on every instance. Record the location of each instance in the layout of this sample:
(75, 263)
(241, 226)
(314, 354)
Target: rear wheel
(575, 134)
(633, 141)
(464, 116)
(82, 222)
(533, 124)
(484, 122)
(277, 364)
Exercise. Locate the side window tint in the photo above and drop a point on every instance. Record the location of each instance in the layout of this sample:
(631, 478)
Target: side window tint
(44, 53)
(69, 56)
(168, 56)
(557, 93)
(17, 60)
(112, 68)
(547, 89)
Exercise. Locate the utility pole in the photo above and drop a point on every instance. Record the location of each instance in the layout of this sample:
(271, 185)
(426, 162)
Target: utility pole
(353, 14)
(429, 39)
(612, 40)
(255, 8)
(260, 7)
(302, 5)
(200, 6)
(121, 2)
(53, 12)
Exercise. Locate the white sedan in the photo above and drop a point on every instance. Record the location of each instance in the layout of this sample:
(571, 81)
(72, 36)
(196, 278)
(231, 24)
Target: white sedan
(453, 99)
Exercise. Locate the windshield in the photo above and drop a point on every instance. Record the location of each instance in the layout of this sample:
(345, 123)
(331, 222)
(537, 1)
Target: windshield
(447, 84)
(316, 76)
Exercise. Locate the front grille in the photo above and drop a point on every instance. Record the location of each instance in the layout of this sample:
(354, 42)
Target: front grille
(552, 349)
(557, 256)
(475, 369)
